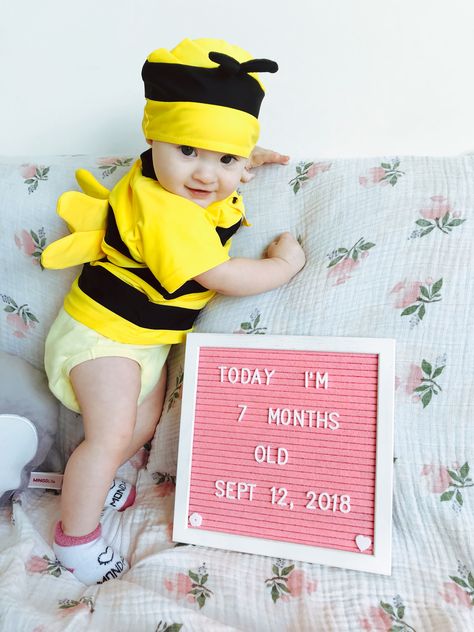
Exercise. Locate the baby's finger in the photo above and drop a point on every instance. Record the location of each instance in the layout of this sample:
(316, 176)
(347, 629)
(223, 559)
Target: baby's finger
(247, 176)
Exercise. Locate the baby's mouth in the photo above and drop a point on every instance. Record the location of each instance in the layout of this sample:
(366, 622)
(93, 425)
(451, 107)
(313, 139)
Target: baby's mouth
(199, 193)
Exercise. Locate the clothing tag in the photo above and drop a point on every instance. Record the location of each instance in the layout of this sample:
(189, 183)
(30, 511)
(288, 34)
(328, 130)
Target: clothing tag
(46, 480)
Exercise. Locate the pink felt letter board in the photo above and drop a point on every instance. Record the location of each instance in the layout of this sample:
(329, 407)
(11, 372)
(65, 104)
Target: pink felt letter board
(286, 448)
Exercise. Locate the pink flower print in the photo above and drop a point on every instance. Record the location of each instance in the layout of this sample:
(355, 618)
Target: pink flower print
(107, 161)
(25, 242)
(439, 207)
(306, 171)
(69, 606)
(165, 484)
(342, 272)
(440, 215)
(408, 293)
(342, 261)
(375, 176)
(45, 564)
(165, 489)
(454, 594)
(28, 171)
(396, 613)
(437, 478)
(376, 621)
(180, 585)
(382, 175)
(111, 163)
(20, 328)
(19, 318)
(33, 174)
(191, 586)
(415, 296)
(318, 167)
(414, 379)
(298, 584)
(37, 564)
(31, 243)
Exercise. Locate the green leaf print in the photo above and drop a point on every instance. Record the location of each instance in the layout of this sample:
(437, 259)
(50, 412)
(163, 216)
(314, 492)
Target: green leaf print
(429, 386)
(427, 294)
(459, 480)
(198, 590)
(396, 614)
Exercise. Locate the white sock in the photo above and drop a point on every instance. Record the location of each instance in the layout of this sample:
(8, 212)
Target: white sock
(89, 557)
(120, 495)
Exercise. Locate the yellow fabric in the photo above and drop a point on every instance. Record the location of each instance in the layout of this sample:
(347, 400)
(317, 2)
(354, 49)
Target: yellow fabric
(212, 127)
(70, 343)
(172, 236)
(177, 241)
(85, 217)
(90, 186)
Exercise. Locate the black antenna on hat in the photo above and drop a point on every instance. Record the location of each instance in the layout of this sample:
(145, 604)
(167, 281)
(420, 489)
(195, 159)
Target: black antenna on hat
(232, 67)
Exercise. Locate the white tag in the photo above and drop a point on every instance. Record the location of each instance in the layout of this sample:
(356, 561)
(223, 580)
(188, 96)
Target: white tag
(46, 480)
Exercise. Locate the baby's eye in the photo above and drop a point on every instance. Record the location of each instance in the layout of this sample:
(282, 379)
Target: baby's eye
(227, 159)
(187, 150)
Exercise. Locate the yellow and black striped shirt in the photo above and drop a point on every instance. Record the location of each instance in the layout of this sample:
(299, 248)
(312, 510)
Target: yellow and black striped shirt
(141, 249)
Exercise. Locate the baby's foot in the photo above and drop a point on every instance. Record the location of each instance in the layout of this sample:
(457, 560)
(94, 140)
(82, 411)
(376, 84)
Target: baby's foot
(88, 557)
(121, 495)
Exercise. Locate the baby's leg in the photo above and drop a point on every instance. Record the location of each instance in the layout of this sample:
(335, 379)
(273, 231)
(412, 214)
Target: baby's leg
(122, 494)
(107, 390)
(148, 415)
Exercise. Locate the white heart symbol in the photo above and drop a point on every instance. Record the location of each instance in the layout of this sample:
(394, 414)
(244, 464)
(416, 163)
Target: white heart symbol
(363, 542)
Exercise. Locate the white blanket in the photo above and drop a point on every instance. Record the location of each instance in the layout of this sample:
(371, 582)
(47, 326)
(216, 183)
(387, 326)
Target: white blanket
(379, 235)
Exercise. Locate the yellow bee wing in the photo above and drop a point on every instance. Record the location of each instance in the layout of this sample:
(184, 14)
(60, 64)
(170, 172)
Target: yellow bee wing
(86, 218)
(90, 185)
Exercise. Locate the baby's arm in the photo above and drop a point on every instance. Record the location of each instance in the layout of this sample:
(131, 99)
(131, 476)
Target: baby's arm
(242, 277)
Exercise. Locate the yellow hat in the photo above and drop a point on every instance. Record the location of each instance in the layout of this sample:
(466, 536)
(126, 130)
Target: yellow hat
(204, 93)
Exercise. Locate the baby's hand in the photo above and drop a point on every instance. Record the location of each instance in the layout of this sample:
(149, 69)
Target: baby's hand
(287, 248)
(259, 157)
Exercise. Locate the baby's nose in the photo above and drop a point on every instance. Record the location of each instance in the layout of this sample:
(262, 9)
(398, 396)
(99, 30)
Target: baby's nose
(205, 173)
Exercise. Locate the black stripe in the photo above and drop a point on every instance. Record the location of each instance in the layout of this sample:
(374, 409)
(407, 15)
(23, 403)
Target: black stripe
(178, 82)
(112, 236)
(129, 303)
(147, 165)
(190, 287)
(226, 233)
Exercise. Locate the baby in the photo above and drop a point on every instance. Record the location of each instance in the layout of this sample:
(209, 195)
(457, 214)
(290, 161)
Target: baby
(155, 250)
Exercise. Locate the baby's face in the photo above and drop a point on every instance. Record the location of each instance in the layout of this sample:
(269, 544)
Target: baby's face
(199, 175)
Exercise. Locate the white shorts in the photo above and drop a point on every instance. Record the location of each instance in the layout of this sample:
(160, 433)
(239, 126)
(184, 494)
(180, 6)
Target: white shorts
(70, 343)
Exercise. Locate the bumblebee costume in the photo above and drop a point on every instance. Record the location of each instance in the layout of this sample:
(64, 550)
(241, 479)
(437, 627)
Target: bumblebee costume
(141, 245)
(141, 250)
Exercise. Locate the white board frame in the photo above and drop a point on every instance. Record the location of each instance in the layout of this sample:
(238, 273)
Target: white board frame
(380, 560)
